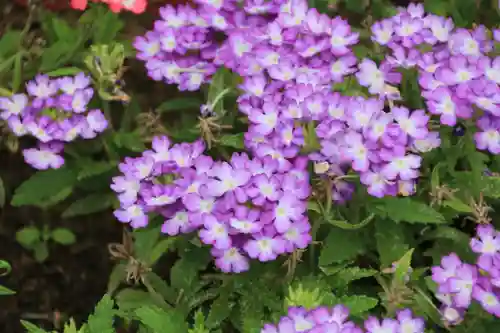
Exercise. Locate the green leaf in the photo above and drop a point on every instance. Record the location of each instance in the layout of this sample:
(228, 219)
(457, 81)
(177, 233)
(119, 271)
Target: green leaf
(18, 72)
(183, 274)
(158, 320)
(220, 310)
(55, 55)
(350, 226)
(403, 267)
(349, 274)
(108, 28)
(181, 103)
(131, 299)
(390, 240)
(232, 140)
(457, 205)
(65, 71)
(438, 7)
(63, 236)
(41, 251)
(90, 204)
(117, 276)
(32, 328)
(161, 248)
(90, 168)
(492, 188)
(130, 140)
(9, 43)
(44, 186)
(28, 236)
(407, 210)
(5, 268)
(220, 81)
(4, 291)
(358, 304)
(101, 321)
(340, 245)
(62, 29)
(2, 193)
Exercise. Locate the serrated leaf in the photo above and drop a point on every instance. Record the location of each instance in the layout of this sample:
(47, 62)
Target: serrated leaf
(407, 210)
(4, 291)
(161, 287)
(161, 248)
(131, 299)
(117, 276)
(32, 328)
(403, 267)
(457, 205)
(232, 140)
(109, 26)
(158, 319)
(89, 168)
(340, 245)
(5, 268)
(390, 240)
(358, 304)
(492, 188)
(65, 71)
(43, 186)
(101, 321)
(181, 103)
(63, 30)
(63, 236)
(90, 204)
(41, 251)
(183, 274)
(9, 42)
(130, 140)
(28, 236)
(220, 309)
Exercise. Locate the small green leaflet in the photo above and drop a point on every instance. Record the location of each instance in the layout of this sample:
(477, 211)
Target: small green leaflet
(358, 304)
(390, 240)
(232, 140)
(101, 321)
(44, 186)
(340, 245)
(63, 236)
(158, 320)
(181, 103)
(90, 204)
(406, 210)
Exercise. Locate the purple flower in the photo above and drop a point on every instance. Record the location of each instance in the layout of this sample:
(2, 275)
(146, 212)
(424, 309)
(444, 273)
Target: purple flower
(46, 156)
(133, 214)
(489, 136)
(461, 285)
(179, 223)
(409, 324)
(382, 31)
(387, 325)
(489, 300)
(230, 260)
(227, 179)
(13, 106)
(414, 124)
(287, 210)
(342, 37)
(264, 248)
(215, 233)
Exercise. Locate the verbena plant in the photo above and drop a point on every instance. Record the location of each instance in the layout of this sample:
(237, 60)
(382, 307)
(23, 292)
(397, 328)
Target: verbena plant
(330, 175)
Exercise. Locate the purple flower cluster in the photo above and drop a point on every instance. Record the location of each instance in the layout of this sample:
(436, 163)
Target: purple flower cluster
(336, 320)
(459, 283)
(456, 75)
(243, 208)
(54, 111)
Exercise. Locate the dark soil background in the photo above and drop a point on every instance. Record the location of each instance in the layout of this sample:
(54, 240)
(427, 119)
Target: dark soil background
(73, 278)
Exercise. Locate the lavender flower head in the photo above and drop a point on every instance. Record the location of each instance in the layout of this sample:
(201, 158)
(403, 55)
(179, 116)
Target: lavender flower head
(244, 208)
(54, 111)
(336, 319)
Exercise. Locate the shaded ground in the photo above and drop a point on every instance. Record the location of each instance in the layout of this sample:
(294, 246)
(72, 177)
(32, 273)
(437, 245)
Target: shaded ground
(70, 281)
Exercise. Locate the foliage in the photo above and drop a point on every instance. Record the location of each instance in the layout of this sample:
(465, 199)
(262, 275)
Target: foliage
(371, 253)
